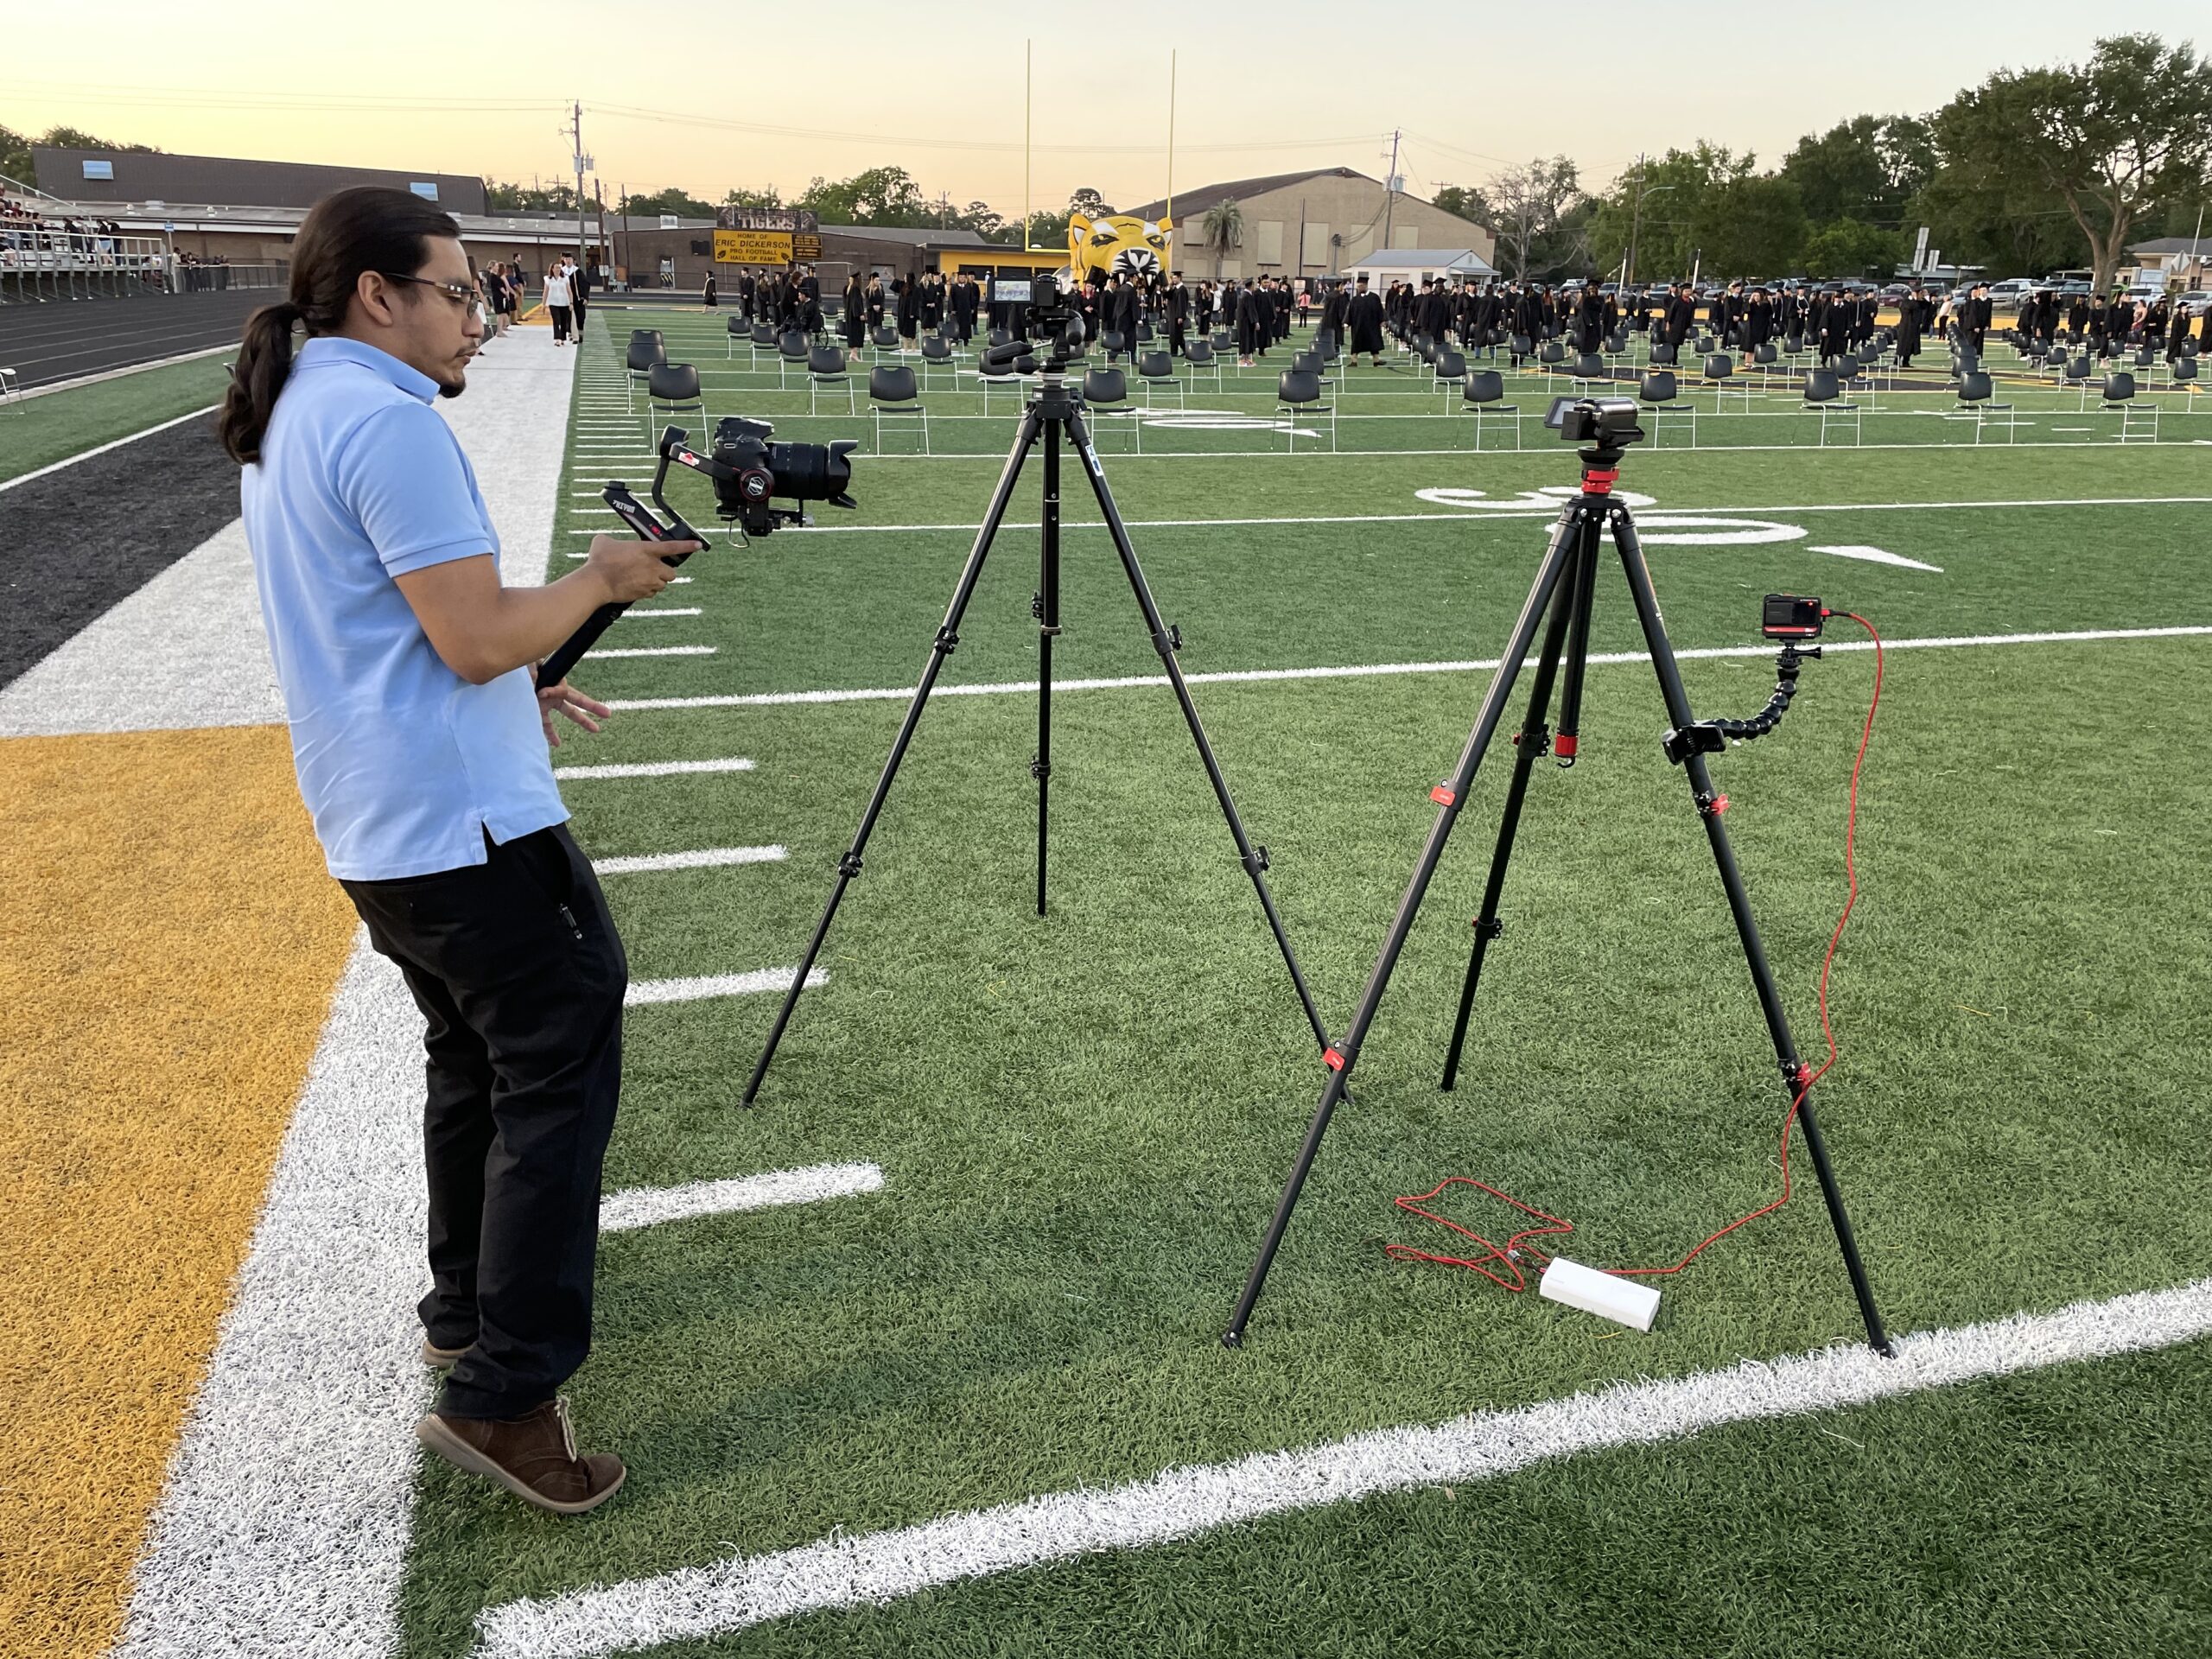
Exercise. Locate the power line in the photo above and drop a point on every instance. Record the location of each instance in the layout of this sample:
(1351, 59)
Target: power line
(680, 118)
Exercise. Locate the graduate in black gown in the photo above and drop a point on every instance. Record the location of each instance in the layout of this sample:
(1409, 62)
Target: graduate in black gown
(1248, 323)
(1364, 324)
(1838, 315)
(1178, 303)
(853, 323)
(1906, 336)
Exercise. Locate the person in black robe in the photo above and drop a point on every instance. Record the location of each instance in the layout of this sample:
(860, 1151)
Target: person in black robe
(961, 301)
(853, 323)
(910, 313)
(1364, 324)
(1906, 336)
(1336, 311)
(1529, 319)
(1248, 323)
(1837, 319)
(1589, 319)
(1680, 316)
(1178, 303)
(707, 295)
(1976, 319)
(1758, 324)
(932, 300)
(1127, 312)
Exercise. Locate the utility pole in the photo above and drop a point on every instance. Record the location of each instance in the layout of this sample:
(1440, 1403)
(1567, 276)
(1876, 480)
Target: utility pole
(583, 164)
(1635, 224)
(1390, 189)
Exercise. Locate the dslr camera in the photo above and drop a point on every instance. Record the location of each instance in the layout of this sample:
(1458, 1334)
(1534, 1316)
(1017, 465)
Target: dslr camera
(749, 472)
(1609, 423)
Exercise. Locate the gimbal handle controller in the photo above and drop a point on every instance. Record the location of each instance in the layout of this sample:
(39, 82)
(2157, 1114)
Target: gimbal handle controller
(640, 517)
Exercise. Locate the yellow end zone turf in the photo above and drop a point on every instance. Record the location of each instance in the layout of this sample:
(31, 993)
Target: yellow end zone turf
(168, 947)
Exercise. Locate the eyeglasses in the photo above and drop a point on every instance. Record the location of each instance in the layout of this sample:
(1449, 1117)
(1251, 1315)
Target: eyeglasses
(464, 295)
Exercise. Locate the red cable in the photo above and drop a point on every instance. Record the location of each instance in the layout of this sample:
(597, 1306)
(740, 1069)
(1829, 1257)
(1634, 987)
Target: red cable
(1827, 1032)
(1504, 1254)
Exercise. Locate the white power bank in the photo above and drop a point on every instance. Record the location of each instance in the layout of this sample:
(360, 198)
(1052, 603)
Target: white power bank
(1621, 1300)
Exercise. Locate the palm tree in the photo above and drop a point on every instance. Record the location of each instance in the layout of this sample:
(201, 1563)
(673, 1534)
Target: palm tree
(1220, 230)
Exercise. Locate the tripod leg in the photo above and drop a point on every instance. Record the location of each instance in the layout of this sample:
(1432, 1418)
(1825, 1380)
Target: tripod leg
(1048, 625)
(1165, 641)
(1710, 806)
(1340, 1059)
(948, 637)
(1577, 656)
(1529, 748)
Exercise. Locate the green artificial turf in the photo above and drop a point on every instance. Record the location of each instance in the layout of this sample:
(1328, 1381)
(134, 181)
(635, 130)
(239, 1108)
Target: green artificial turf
(41, 430)
(1082, 1121)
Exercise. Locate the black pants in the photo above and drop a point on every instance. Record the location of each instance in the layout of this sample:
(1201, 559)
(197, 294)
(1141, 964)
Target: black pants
(516, 965)
(560, 321)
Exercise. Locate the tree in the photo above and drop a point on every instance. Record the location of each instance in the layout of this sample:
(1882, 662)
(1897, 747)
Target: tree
(881, 195)
(16, 148)
(1221, 228)
(1088, 202)
(1849, 249)
(1465, 202)
(742, 198)
(2113, 139)
(983, 219)
(1661, 205)
(529, 197)
(1752, 225)
(671, 200)
(1866, 169)
(1526, 202)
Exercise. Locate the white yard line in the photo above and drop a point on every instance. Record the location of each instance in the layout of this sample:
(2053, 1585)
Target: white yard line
(100, 448)
(651, 768)
(284, 1526)
(707, 986)
(705, 858)
(1501, 513)
(645, 1206)
(643, 616)
(655, 651)
(1375, 670)
(187, 650)
(695, 1603)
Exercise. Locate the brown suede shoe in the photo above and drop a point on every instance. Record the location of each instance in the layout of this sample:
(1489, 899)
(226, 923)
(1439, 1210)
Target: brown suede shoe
(444, 1358)
(534, 1457)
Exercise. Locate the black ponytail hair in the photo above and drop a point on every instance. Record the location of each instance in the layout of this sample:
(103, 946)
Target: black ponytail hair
(369, 227)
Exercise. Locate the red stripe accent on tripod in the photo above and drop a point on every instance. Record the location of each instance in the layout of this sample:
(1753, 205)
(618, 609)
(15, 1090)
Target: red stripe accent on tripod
(1442, 795)
(1565, 745)
(1599, 483)
(1330, 1058)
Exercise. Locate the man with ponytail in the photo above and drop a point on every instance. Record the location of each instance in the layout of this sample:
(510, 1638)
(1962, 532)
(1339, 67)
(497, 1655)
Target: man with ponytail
(420, 737)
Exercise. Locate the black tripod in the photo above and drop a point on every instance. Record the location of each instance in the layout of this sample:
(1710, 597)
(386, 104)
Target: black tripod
(1054, 410)
(1562, 592)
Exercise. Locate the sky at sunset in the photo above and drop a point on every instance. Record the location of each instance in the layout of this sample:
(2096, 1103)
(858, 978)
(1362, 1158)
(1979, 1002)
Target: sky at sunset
(671, 99)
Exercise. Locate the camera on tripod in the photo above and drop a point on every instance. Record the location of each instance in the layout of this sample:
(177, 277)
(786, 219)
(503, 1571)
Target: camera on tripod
(749, 472)
(1050, 318)
(1608, 422)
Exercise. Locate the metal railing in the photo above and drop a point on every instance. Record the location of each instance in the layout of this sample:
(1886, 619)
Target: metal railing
(40, 263)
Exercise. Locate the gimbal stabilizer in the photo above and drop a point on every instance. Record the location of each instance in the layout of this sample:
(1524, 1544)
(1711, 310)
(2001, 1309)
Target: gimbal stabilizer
(634, 513)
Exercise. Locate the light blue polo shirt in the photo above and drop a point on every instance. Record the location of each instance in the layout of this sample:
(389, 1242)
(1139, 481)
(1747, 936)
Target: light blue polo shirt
(403, 765)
